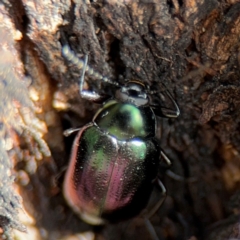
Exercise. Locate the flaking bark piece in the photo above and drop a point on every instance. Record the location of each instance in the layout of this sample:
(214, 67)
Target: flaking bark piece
(12, 91)
(14, 103)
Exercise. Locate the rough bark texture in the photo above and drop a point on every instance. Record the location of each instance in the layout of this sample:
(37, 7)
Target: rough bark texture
(192, 46)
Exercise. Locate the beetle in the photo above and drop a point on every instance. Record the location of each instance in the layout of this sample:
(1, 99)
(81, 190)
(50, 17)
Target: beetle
(115, 158)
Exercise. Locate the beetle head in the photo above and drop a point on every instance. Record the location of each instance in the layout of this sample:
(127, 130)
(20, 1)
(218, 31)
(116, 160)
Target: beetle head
(133, 92)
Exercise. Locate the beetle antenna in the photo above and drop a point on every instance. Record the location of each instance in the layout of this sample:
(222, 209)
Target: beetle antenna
(151, 92)
(157, 91)
(72, 57)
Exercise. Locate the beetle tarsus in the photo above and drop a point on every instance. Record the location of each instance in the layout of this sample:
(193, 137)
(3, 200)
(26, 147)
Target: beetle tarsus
(173, 113)
(151, 229)
(172, 174)
(160, 202)
(165, 158)
(69, 131)
(179, 178)
(167, 112)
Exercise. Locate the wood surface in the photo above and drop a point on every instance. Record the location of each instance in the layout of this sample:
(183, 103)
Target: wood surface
(190, 46)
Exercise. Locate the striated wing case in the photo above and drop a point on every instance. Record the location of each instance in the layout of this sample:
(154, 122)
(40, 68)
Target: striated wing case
(110, 179)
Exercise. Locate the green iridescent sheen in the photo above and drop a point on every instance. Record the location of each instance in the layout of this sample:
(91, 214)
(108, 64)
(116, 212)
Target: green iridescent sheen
(138, 149)
(95, 149)
(126, 121)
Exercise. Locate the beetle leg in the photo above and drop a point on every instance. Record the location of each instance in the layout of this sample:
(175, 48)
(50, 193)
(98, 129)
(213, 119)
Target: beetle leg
(170, 113)
(165, 158)
(60, 174)
(69, 131)
(82, 64)
(151, 229)
(89, 95)
(179, 178)
(173, 175)
(167, 112)
(160, 202)
(151, 212)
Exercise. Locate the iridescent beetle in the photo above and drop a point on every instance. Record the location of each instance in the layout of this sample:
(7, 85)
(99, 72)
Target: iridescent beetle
(115, 158)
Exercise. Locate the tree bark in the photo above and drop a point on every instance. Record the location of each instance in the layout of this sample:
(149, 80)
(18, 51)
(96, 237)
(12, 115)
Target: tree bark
(191, 47)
